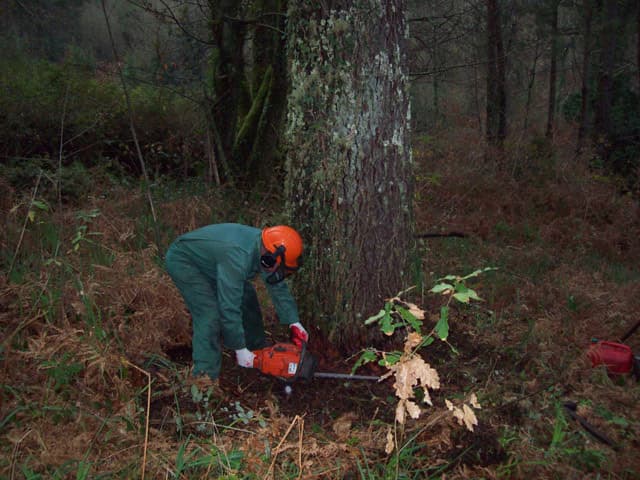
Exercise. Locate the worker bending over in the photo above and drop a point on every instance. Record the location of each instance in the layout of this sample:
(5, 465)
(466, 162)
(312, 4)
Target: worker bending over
(213, 267)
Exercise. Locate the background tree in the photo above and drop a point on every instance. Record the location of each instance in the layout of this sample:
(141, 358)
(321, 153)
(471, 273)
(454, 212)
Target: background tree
(349, 185)
(585, 91)
(553, 66)
(496, 78)
(230, 61)
(616, 128)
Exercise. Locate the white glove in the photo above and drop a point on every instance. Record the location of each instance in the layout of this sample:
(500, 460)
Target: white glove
(245, 357)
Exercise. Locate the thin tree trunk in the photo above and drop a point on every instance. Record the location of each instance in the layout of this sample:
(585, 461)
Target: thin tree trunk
(228, 71)
(586, 72)
(502, 82)
(603, 123)
(532, 81)
(496, 78)
(132, 127)
(212, 170)
(551, 110)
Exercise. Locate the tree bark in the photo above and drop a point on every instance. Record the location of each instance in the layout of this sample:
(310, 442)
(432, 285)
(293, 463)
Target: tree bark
(227, 63)
(553, 62)
(349, 184)
(530, 85)
(269, 71)
(586, 73)
(638, 46)
(603, 127)
(496, 123)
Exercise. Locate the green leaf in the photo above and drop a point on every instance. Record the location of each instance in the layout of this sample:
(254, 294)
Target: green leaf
(387, 307)
(366, 357)
(386, 326)
(449, 277)
(442, 327)
(410, 318)
(31, 215)
(466, 291)
(40, 204)
(390, 358)
(473, 295)
(196, 394)
(478, 272)
(461, 297)
(441, 287)
(375, 317)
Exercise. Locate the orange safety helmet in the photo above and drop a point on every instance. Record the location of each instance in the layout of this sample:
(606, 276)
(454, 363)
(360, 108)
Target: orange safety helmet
(281, 242)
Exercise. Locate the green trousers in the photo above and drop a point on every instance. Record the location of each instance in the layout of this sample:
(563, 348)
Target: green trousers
(200, 296)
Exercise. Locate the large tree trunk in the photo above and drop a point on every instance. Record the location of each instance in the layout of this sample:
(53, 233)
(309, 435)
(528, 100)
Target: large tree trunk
(349, 184)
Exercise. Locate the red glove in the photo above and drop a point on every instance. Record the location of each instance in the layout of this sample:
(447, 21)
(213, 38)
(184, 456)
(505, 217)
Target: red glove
(298, 334)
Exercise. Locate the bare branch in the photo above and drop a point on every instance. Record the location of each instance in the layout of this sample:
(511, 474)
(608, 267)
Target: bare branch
(131, 123)
(169, 15)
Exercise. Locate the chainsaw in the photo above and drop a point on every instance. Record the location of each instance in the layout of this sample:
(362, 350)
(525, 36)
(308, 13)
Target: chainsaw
(291, 363)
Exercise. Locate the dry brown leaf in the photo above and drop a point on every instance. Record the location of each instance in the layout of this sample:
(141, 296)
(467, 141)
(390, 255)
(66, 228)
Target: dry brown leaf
(411, 372)
(412, 408)
(342, 425)
(400, 412)
(464, 415)
(390, 443)
(415, 311)
(470, 419)
(413, 340)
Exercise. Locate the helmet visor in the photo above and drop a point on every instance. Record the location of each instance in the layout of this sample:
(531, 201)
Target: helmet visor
(280, 273)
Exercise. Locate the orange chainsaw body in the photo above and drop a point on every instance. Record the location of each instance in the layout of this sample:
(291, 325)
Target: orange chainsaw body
(280, 360)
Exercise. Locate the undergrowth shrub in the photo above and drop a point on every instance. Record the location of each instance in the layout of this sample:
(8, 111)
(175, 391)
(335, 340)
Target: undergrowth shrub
(74, 112)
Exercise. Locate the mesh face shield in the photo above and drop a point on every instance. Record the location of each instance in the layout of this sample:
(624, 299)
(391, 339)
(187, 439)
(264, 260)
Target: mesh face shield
(268, 261)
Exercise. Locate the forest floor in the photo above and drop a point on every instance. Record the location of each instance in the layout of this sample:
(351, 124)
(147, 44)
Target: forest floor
(96, 340)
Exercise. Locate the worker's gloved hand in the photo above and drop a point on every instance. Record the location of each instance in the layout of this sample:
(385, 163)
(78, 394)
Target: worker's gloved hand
(298, 334)
(245, 357)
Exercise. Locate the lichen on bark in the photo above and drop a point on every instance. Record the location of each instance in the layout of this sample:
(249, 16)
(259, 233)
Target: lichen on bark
(349, 170)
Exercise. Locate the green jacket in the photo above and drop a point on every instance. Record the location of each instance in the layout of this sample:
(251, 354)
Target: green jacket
(229, 255)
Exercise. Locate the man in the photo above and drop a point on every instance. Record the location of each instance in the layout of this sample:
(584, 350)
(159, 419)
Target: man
(213, 267)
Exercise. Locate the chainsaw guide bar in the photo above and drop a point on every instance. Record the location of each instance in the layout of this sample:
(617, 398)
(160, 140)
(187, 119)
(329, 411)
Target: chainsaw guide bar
(290, 363)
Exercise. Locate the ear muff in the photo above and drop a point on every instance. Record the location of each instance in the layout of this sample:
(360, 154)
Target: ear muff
(269, 259)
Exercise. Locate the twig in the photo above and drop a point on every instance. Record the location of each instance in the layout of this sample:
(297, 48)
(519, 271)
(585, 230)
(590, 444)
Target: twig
(146, 426)
(300, 435)
(61, 148)
(24, 225)
(15, 453)
(275, 451)
(26, 322)
(143, 168)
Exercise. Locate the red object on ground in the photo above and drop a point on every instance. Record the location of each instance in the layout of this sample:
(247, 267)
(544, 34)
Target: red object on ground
(617, 357)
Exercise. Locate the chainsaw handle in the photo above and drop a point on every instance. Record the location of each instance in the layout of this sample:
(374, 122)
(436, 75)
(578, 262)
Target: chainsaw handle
(630, 331)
